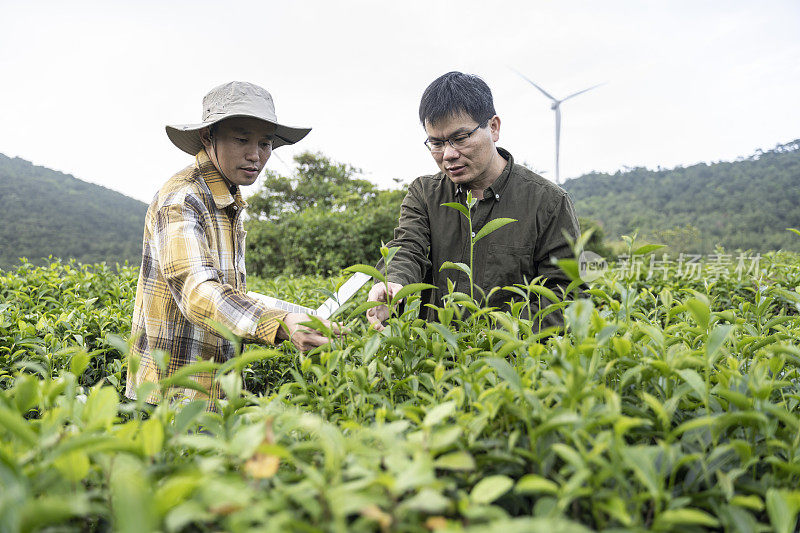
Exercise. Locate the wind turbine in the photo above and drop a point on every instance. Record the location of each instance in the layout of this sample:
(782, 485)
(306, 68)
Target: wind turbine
(556, 106)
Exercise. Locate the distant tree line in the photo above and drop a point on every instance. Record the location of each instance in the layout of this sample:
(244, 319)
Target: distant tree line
(746, 204)
(324, 217)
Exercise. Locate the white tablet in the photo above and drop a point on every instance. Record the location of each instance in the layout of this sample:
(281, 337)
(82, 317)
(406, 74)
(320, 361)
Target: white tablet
(328, 307)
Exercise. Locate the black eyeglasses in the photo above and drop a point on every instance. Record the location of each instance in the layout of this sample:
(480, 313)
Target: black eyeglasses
(459, 142)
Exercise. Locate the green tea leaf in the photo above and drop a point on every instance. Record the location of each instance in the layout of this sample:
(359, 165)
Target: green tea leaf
(782, 511)
(131, 497)
(444, 438)
(52, 511)
(700, 312)
(533, 484)
(716, 338)
(460, 460)
(368, 270)
(541, 290)
(446, 334)
(101, 407)
(647, 248)
(428, 501)
(640, 459)
(152, 436)
(370, 348)
(231, 384)
(187, 415)
(490, 488)
(457, 266)
(411, 289)
(622, 346)
(74, 466)
(79, 362)
(506, 372)
(175, 491)
(460, 207)
(569, 267)
(492, 225)
(671, 518)
(750, 502)
(439, 413)
(387, 254)
(695, 423)
(26, 392)
(694, 380)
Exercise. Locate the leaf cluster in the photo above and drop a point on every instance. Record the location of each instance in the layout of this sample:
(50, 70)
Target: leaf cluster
(661, 406)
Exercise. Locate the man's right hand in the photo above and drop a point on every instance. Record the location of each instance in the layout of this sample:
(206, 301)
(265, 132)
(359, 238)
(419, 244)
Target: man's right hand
(377, 293)
(303, 337)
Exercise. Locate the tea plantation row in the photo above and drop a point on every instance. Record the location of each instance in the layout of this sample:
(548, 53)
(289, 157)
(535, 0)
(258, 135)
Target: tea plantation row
(670, 403)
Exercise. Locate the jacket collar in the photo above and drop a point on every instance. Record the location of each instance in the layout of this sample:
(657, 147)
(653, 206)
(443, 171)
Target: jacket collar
(496, 189)
(224, 194)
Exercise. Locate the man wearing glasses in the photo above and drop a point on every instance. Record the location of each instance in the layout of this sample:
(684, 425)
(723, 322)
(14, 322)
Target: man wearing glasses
(457, 112)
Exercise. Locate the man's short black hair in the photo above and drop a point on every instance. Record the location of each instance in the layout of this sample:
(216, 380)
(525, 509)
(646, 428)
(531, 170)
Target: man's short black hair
(454, 92)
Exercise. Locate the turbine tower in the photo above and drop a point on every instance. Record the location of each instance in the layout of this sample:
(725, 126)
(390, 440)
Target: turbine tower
(556, 106)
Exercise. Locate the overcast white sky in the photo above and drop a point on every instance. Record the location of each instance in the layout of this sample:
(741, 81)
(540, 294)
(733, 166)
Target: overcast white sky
(87, 87)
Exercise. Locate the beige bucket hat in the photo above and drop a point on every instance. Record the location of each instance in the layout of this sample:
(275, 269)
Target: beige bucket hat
(234, 99)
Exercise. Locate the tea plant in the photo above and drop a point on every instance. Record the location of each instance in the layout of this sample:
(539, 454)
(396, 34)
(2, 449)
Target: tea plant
(665, 404)
(489, 227)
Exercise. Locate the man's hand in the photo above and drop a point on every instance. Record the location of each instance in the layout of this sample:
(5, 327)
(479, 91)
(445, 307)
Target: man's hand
(303, 337)
(377, 293)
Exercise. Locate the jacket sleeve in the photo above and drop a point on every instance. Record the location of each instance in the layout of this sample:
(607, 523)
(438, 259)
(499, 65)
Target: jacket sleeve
(559, 219)
(413, 236)
(195, 282)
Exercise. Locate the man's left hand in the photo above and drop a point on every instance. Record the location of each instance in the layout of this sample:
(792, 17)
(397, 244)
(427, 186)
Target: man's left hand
(303, 337)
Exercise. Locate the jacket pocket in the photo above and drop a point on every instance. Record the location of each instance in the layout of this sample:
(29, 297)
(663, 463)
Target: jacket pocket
(506, 265)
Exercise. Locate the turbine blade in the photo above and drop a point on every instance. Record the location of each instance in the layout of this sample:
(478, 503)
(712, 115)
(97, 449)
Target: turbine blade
(583, 91)
(521, 75)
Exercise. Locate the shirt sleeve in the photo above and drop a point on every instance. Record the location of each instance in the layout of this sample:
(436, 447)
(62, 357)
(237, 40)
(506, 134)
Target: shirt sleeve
(551, 242)
(413, 236)
(195, 282)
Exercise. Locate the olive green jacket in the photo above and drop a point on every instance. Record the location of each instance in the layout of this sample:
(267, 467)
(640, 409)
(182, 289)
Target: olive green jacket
(429, 234)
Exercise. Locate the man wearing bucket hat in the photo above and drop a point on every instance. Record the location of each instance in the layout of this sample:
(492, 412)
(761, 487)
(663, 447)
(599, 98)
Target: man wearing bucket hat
(192, 281)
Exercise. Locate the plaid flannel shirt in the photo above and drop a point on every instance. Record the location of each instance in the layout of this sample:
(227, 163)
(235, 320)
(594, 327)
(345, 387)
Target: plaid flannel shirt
(193, 276)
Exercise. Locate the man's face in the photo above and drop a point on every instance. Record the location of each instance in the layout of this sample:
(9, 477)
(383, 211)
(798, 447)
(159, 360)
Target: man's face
(473, 165)
(240, 148)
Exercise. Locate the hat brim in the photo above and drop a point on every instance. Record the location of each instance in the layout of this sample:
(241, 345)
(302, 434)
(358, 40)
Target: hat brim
(187, 136)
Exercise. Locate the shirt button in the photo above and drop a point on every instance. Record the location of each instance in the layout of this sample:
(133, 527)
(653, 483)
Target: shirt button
(498, 196)
(236, 208)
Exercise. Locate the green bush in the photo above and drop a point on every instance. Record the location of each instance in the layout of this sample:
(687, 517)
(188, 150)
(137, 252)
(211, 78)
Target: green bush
(316, 240)
(667, 404)
(320, 220)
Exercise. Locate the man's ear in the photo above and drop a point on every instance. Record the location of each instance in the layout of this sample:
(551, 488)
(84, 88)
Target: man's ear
(494, 128)
(205, 137)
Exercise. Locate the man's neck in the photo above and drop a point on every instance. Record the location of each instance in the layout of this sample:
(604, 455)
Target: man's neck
(496, 168)
(213, 158)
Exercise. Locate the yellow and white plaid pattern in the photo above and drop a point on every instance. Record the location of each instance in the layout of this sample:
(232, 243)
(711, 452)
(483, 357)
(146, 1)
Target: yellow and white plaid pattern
(192, 278)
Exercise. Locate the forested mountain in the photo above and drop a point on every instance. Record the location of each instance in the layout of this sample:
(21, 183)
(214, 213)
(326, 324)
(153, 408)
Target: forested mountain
(44, 212)
(746, 204)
